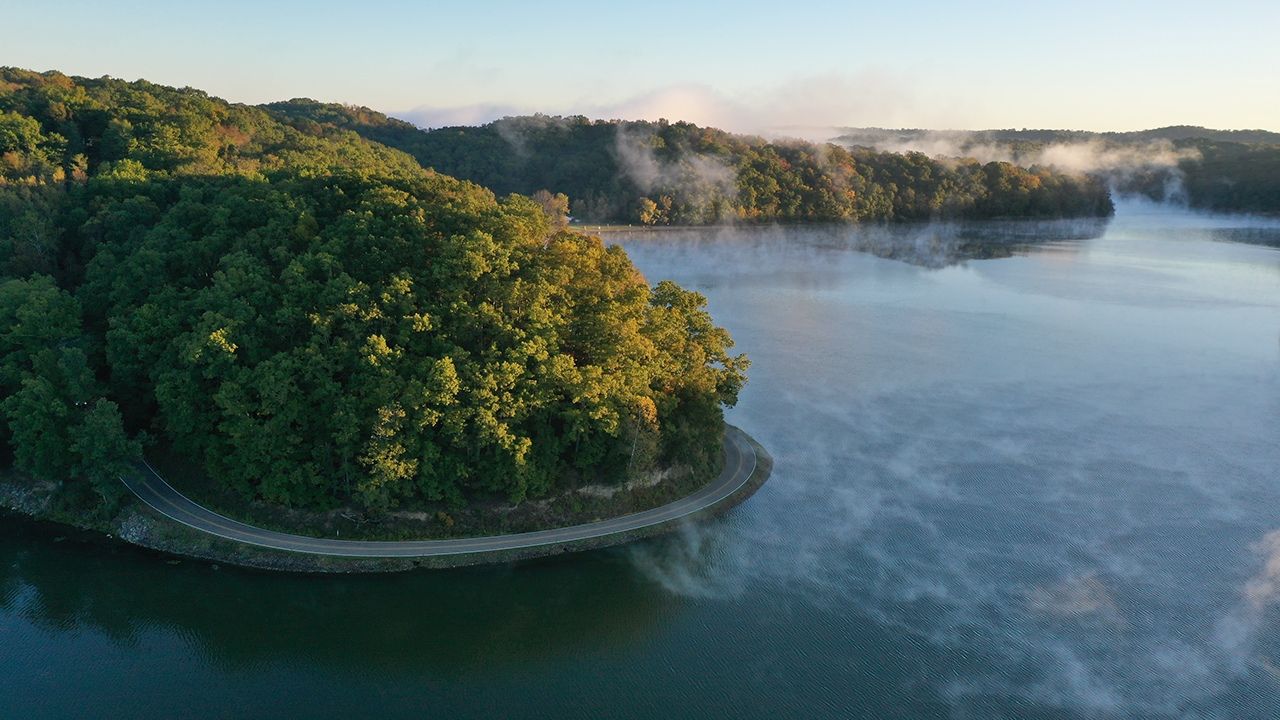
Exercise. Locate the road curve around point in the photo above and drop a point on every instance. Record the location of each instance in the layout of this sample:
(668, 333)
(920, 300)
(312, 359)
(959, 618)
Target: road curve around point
(154, 491)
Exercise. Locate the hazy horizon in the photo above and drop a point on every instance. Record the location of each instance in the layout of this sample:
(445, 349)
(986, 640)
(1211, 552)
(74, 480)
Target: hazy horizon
(447, 117)
(741, 67)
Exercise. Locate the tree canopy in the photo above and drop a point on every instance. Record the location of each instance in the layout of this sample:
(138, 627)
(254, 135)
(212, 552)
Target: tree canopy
(316, 319)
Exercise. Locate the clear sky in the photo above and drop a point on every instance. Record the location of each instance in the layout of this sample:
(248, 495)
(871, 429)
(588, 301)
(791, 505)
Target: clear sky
(745, 65)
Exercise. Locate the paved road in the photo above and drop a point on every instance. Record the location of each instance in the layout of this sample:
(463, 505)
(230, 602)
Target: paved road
(740, 463)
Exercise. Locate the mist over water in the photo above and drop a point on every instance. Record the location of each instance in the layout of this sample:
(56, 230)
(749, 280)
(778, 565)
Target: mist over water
(1118, 163)
(1053, 476)
(1022, 470)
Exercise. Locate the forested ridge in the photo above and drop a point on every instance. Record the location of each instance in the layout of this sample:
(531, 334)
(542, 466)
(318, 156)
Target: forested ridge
(658, 173)
(1221, 175)
(314, 318)
(1222, 170)
(1172, 133)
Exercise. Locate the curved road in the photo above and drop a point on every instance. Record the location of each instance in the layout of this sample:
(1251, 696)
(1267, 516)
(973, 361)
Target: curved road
(740, 464)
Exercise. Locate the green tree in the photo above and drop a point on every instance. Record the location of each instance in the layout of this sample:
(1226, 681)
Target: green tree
(104, 452)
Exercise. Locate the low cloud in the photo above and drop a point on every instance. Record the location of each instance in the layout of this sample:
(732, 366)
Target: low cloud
(1075, 596)
(1080, 156)
(1120, 163)
(1263, 588)
(809, 107)
(1095, 155)
(679, 563)
(703, 181)
(1237, 633)
(429, 116)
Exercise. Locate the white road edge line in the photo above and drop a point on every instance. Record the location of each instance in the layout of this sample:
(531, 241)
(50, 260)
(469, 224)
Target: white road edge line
(416, 549)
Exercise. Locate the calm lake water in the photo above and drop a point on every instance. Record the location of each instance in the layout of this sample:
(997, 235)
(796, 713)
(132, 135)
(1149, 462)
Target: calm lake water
(1040, 484)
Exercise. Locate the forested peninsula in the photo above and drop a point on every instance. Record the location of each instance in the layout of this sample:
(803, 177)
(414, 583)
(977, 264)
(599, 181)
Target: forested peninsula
(313, 320)
(320, 309)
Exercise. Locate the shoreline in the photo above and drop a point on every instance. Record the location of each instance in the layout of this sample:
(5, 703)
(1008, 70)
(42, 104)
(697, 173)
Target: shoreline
(138, 524)
(592, 228)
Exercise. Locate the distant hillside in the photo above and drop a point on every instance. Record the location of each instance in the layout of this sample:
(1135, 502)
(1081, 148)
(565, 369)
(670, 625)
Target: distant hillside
(875, 136)
(1228, 170)
(54, 127)
(678, 173)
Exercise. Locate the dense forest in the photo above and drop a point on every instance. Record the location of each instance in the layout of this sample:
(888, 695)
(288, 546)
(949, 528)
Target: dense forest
(1223, 176)
(316, 319)
(1225, 170)
(659, 173)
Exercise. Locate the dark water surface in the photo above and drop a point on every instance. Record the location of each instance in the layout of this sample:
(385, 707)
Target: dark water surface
(1040, 484)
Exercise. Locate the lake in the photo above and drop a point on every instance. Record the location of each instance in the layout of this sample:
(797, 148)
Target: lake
(1022, 470)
